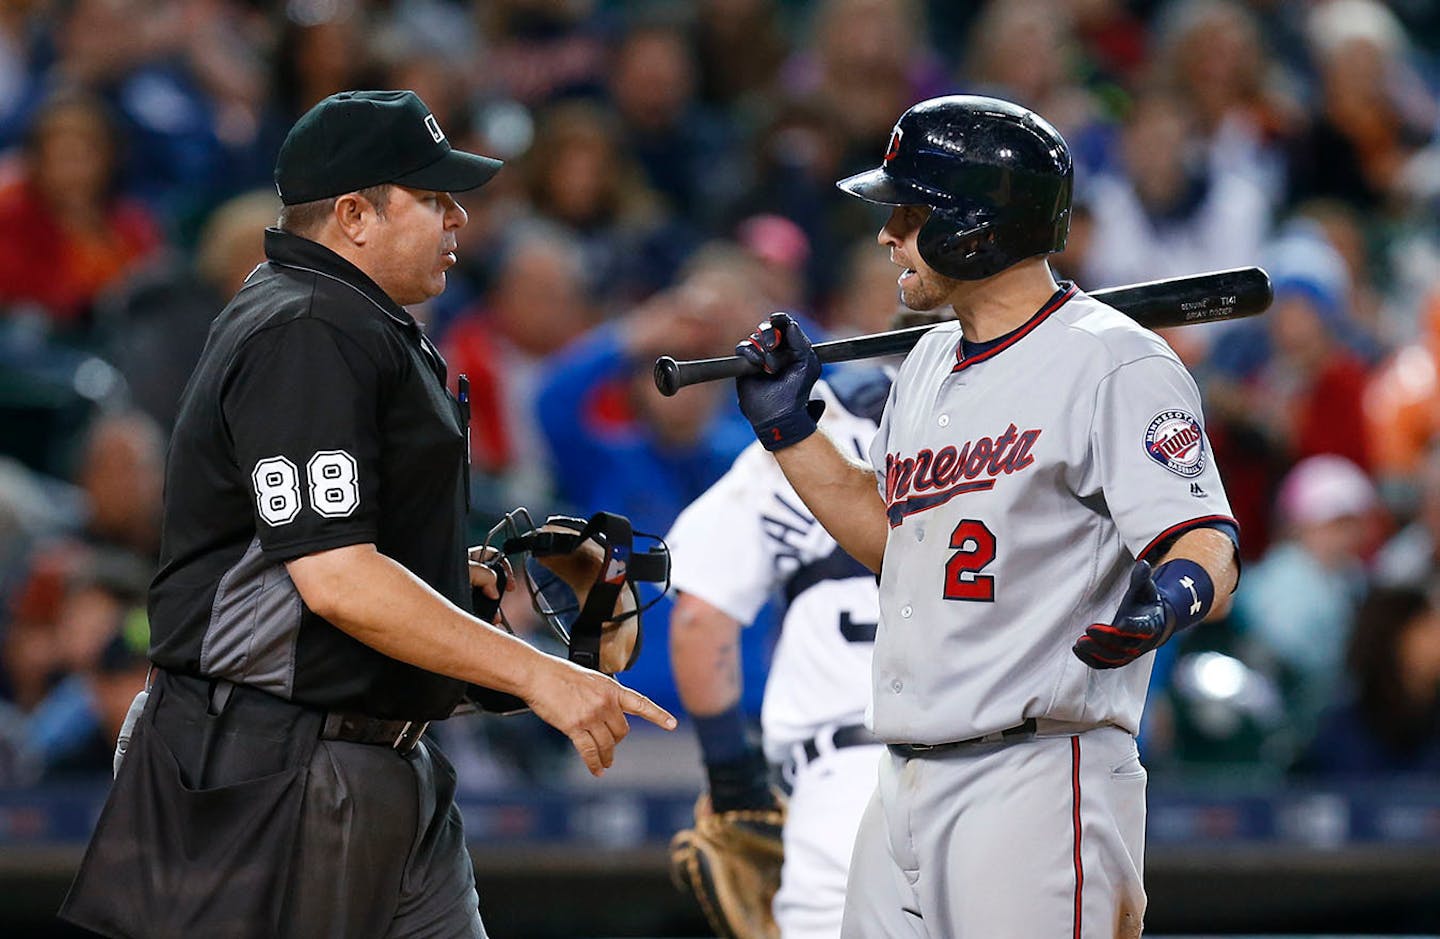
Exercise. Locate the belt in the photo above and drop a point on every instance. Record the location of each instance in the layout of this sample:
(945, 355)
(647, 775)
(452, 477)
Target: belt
(402, 736)
(803, 754)
(1026, 729)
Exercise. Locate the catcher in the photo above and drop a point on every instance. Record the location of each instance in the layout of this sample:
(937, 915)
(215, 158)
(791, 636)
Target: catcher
(778, 865)
(763, 865)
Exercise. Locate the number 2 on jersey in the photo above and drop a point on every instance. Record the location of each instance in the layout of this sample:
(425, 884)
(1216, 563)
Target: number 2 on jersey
(974, 546)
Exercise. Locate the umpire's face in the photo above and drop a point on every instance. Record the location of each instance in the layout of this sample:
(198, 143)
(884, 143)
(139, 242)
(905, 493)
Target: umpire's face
(412, 244)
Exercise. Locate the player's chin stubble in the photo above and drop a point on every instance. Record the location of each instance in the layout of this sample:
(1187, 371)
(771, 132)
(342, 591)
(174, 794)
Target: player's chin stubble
(921, 295)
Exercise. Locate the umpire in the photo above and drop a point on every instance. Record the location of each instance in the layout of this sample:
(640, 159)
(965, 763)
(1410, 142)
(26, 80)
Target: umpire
(310, 614)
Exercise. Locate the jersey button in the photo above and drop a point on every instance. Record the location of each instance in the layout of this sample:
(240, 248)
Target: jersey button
(944, 420)
(905, 611)
(897, 685)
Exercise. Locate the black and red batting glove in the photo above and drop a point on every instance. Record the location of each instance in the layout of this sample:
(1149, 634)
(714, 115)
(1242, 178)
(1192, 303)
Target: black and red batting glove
(777, 401)
(1156, 606)
(1144, 621)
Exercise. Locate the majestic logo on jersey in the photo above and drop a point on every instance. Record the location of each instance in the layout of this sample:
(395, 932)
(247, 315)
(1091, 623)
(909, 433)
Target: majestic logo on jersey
(1176, 442)
(936, 477)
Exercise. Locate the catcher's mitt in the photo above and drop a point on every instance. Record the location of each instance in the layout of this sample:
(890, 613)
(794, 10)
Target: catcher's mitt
(730, 863)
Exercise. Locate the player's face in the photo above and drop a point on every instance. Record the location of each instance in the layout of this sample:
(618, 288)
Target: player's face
(921, 288)
(414, 244)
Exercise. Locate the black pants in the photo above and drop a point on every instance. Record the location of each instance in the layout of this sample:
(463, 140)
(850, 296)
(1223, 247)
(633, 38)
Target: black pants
(243, 823)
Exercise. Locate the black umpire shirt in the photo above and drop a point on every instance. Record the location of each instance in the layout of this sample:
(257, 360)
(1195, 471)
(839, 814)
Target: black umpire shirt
(317, 417)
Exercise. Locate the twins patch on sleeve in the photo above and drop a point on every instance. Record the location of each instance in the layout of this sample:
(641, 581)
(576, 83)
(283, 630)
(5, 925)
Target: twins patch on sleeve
(1175, 441)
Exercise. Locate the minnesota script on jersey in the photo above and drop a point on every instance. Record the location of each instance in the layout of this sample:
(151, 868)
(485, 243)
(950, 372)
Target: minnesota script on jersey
(1016, 511)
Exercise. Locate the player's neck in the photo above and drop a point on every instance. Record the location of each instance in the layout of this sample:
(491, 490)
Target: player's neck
(990, 308)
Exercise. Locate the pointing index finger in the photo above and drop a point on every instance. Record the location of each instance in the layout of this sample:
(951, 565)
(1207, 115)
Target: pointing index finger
(633, 702)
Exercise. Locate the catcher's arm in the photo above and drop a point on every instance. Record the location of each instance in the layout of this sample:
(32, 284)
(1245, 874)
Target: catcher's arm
(730, 861)
(705, 658)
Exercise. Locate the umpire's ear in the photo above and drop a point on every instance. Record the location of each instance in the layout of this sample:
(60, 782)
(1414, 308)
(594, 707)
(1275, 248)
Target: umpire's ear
(353, 218)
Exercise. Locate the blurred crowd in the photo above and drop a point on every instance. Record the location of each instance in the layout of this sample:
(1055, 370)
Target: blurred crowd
(670, 179)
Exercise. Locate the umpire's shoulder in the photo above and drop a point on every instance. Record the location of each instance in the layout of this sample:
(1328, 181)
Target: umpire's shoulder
(278, 300)
(1115, 338)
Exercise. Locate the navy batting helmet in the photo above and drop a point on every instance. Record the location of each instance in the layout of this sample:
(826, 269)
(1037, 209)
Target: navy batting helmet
(996, 176)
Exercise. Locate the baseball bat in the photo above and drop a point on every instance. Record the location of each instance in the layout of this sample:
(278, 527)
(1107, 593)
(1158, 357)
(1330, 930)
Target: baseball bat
(1176, 301)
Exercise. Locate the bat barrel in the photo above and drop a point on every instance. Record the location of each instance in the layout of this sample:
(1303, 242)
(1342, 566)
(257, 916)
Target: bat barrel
(1202, 298)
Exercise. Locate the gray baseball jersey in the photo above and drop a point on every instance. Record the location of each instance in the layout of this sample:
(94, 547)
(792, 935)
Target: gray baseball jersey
(1021, 483)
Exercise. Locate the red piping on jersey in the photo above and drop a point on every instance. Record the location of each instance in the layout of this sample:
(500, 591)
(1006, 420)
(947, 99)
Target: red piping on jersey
(1021, 333)
(1075, 820)
(1173, 530)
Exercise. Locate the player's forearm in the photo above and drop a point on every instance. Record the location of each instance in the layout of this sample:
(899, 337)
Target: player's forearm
(1215, 552)
(704, 656)
(378, 602)
(842, 495)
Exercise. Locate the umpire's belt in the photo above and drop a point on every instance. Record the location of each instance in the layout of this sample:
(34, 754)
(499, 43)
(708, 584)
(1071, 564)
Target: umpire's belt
(348, 727)
(357, 728)
(1026, 729)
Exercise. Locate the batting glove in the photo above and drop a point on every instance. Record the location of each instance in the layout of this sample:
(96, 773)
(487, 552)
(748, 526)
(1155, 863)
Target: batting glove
(777, 402)
(1143, 622)
(1177, 596)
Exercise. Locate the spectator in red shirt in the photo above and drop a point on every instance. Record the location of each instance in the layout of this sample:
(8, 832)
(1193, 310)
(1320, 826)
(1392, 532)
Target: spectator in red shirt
(67, 233)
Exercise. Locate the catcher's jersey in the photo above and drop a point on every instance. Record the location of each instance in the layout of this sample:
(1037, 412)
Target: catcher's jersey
(1021, 483)
(749, 538)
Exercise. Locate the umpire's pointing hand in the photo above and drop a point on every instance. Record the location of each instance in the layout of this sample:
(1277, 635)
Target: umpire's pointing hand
(777, 402)
(590, 708)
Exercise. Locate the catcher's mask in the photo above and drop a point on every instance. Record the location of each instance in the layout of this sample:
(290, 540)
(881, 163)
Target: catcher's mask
(578, 610)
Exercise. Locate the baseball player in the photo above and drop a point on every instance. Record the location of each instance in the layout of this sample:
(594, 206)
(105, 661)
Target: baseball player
(747, 539)
(1043, 509)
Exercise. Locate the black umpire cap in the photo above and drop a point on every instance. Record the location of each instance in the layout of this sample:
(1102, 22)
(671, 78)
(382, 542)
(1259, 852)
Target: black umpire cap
(357, 139)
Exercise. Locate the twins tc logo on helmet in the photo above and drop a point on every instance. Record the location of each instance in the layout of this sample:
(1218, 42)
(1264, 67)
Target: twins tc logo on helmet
(892, 150)
(1175, 441)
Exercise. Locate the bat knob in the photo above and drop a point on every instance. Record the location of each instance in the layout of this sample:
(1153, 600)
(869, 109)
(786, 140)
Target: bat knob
(667, 375)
